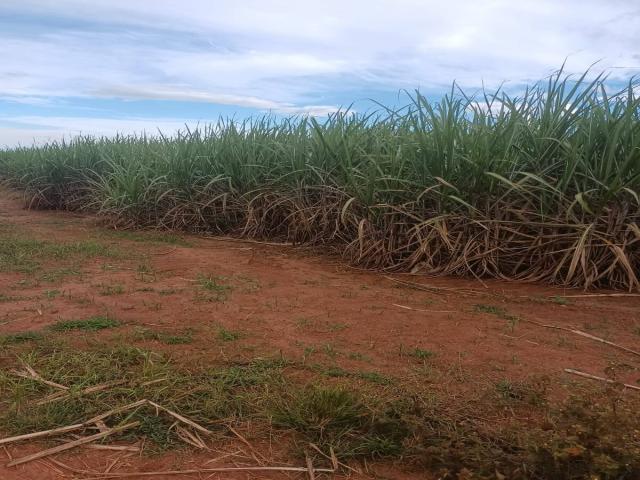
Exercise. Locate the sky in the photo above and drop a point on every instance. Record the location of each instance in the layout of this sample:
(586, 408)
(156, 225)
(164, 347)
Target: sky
(102, 67)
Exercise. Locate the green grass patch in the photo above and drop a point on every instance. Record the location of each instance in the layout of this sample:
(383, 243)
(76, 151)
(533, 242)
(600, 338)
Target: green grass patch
(20, 253)
(20, 337)
(182, 338)
(89, 324)
(361, 357)
(560, 300)
(58, 274)
(498, 312)
(167, 291)
(335, 372)
(213, 288)
(11, 298)
(419, 353)
(115, 289)
(146, 272)
(374, 377)
(340, 418)
(227, 335)
(149, 237)
(178, 339)
(339, 372)
(337, 326)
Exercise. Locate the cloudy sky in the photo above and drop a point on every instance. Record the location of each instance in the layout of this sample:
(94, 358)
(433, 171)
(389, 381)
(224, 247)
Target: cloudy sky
(107, 66)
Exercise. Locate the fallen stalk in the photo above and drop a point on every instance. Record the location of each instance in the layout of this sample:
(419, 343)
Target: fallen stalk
(39, 379)
(586, 335)
(33, 375)
(97, 421)
(43, 433)
(405, 307)
(595, 377)
(77, 426)
(63, 395)
(177, 416)
(69, 445)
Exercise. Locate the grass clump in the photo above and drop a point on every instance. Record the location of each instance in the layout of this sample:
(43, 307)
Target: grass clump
(498, 312)
(146, 273)
(421, 354)
(227, 335)
(418, 353)
(57, 274)
(20, 337)
(183, 338)
(337, 417)
(167, 291)
(11, 298)
(532, 392)
(178, 339)
(213, 288)
(108, 290)
(375, 377)
(149, 237)
(89, 324)
(560, 300)
(320, 410)
(260, 371)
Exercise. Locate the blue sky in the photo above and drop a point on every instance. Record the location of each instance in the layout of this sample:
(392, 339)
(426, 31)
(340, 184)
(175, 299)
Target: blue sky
(108, 66)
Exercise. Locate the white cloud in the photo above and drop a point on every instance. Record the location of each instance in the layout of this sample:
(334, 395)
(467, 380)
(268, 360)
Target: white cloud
(240, 45)
(25, 100)
(13, 136)
(39, 129)
(290, 57)
(168, 93)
